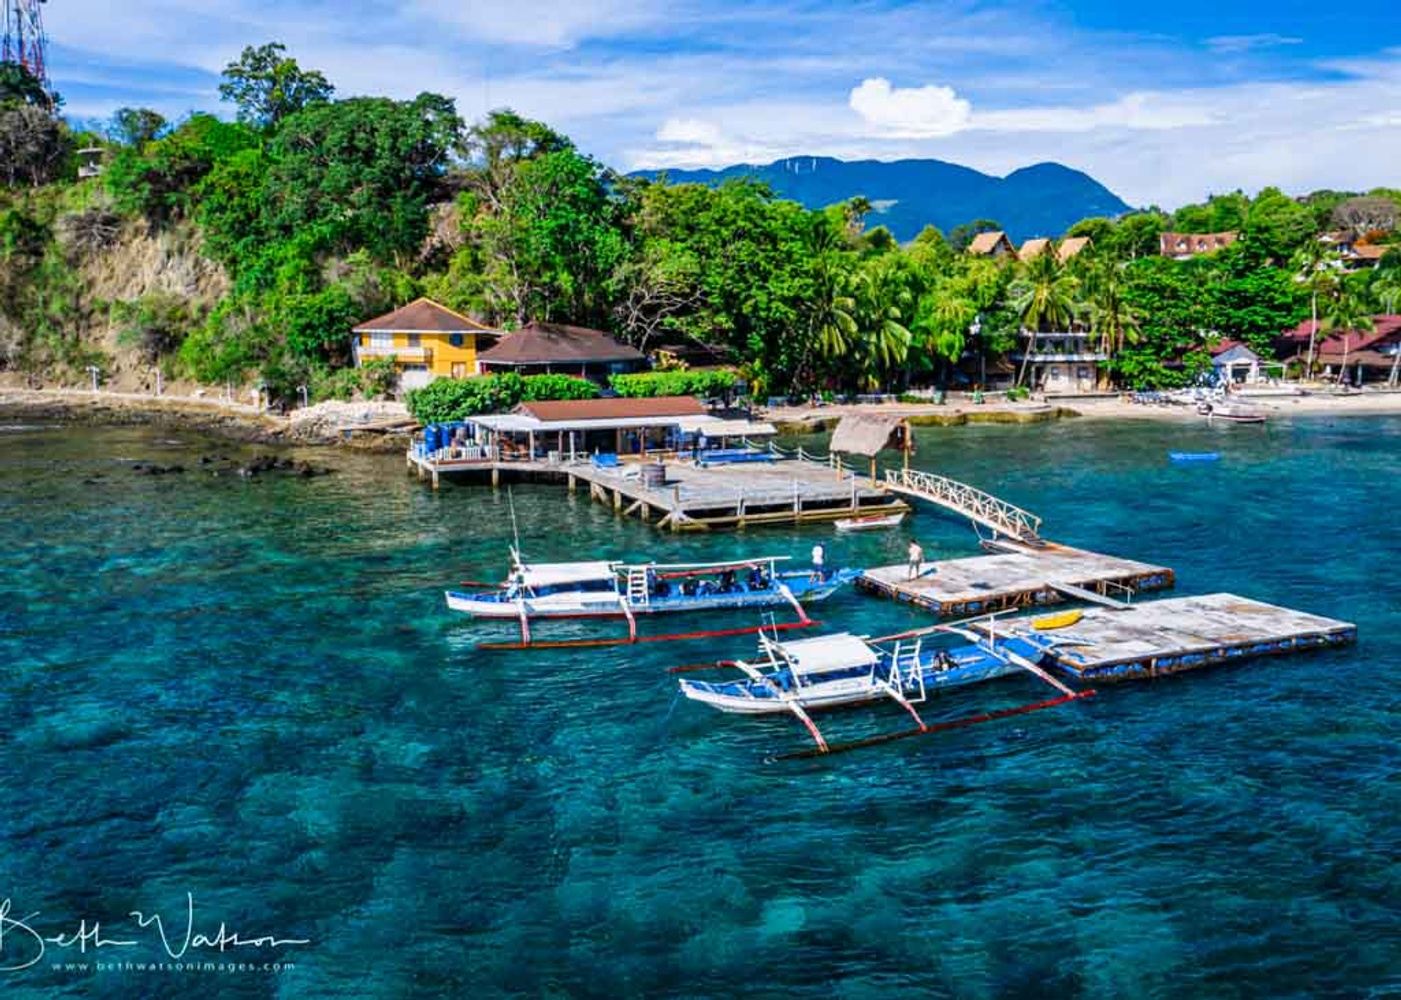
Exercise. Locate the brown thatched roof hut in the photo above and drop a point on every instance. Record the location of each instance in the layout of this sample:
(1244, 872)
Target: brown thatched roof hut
(859, 434)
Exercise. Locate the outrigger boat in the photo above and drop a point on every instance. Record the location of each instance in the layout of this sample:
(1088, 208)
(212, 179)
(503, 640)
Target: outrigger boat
(604, 589)
(845, 669)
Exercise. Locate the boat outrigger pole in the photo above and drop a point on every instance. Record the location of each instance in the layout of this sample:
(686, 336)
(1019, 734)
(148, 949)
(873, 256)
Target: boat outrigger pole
(938, 727)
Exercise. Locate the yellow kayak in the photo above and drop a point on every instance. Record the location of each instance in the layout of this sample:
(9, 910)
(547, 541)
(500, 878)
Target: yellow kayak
(1057, 621)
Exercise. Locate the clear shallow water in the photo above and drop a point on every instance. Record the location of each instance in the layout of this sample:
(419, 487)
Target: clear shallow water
(250, 691)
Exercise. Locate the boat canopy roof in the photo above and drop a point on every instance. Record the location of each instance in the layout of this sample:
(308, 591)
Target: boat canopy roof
(828, 652)
(554, 574)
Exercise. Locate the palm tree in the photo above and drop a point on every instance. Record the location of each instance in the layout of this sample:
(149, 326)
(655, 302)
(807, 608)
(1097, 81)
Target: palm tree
(1347, 313)
(1111, 316)
(882, 300)
(1043, 297)
(1315, 266)
(831, 320)
(1386, 286)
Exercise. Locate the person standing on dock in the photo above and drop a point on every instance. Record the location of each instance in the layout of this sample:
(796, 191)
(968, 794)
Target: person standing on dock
(916, 554)
(819, 561)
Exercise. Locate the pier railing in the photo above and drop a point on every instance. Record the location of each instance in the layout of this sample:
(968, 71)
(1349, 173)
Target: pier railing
(973, 503)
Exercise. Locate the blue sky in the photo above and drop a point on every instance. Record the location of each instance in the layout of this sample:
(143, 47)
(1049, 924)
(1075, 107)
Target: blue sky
(1163, 102)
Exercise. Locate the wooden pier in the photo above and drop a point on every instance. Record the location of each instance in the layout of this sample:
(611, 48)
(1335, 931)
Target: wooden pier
(1018, 577)
(692, 497)
(1157, 638)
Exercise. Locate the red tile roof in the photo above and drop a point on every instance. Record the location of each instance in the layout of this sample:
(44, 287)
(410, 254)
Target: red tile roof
(614, 409)
(544, 343)
(424, 316)
(1384, 330)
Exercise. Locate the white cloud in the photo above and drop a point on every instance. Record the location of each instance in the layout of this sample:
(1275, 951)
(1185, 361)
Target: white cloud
(1230, 44)
(909, 112)
(1132, 111)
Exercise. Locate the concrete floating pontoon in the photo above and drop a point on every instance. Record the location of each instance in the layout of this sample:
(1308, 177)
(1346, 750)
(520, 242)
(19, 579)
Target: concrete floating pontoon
(1014, 579)
(1156, 638)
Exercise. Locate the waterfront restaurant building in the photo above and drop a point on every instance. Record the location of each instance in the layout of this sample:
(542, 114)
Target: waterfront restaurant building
(553, 348)
(425, 340)
(577, 428)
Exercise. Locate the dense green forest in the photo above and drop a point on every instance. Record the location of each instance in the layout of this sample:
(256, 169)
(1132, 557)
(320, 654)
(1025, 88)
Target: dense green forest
(315, 213)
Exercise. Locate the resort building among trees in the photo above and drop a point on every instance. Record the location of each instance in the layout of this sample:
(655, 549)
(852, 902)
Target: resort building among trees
(1184, 246)
(552, 348)
(1065, 363)
(1034, 248)
(1356, 357)
(424, 340)
(995, 245)
(1072, 246)
(1234, 363)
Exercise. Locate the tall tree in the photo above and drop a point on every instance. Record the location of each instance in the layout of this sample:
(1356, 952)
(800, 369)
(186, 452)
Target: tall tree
(1347, 314)
(18, 84)
(883, 301)
(1045, 299)
(267, 85)
(35, 144)
(1112, 317)
(830, 317)
(1386, 289)
(135, 126)
(1316, 268)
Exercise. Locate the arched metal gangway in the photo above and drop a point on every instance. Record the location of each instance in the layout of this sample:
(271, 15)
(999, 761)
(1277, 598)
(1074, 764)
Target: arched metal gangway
(982, 508)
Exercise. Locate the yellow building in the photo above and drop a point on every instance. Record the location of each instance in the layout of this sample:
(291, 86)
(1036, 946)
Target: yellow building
(426, 341)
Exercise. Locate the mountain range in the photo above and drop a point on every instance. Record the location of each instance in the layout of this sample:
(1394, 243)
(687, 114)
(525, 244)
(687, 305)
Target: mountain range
(1041, 200)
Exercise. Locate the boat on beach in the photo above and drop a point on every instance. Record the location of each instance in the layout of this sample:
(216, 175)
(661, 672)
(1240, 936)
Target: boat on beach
(870, 522)
(1232, 412)
(842, 669)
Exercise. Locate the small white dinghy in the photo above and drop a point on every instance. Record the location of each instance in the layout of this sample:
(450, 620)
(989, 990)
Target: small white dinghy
(871, 522)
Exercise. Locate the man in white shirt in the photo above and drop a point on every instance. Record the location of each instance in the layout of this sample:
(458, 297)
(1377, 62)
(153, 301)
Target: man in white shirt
(819, 559)
(916, 559)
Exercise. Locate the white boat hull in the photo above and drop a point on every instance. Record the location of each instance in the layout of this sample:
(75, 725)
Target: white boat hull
(869, 523)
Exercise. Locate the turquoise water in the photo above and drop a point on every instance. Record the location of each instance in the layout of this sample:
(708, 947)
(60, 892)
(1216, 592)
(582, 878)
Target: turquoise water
(250, 691)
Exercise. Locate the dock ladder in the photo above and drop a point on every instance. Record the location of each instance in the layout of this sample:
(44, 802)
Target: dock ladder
(638, 592)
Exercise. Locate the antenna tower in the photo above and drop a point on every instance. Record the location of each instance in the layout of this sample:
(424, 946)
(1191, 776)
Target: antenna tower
(24, 41)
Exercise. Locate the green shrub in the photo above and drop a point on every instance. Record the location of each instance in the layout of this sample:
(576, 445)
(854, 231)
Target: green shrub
(448, 399)
(557, 387)
(378, 377)
(707, 382)
(335, 383)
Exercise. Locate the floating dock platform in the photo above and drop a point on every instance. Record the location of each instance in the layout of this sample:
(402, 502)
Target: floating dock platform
(1020, 576)
(693, 497)
(1157, 638)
